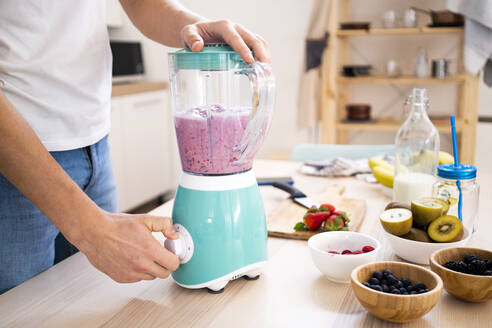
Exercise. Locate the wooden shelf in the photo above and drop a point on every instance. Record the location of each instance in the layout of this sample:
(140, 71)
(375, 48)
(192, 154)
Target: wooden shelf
(401, 31)
(408, 79)
(442, 125)
(335, 93)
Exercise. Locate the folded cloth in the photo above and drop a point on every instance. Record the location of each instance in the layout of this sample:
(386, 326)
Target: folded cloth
(336, 167)
(478, 34)
(340, 167)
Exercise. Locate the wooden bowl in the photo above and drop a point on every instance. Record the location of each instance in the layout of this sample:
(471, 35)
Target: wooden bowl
(391, 307)
(468, 287)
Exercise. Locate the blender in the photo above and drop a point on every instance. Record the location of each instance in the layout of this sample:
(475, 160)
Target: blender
(222, 107)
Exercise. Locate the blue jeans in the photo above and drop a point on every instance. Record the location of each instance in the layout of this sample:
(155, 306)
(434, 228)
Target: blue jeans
(27, 237)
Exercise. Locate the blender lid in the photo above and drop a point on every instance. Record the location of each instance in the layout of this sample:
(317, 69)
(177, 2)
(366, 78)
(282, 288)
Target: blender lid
(213, 57)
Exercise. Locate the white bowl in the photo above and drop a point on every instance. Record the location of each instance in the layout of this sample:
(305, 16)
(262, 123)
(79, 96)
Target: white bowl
(337, 267)
(418, 251)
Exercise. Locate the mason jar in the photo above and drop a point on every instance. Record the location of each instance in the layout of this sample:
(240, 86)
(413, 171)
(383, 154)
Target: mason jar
(457, 184)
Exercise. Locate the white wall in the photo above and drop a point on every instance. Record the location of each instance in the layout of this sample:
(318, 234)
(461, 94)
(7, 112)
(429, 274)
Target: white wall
(283, 23)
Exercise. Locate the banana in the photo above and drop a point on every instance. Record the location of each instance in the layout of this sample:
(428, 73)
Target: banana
(384, 175)
(445, 158)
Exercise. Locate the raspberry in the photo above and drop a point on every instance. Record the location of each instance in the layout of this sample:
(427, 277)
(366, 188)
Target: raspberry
(367, 249)
(345, 252)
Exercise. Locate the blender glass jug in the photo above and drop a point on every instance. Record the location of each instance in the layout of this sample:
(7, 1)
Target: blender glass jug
(222, 108)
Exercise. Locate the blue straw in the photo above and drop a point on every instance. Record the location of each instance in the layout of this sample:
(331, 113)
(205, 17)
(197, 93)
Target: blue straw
(456, 162)
(455, 143)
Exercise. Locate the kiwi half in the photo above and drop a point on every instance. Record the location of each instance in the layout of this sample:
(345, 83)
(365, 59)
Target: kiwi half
(396, 221)
(445, 229)
(425, 210)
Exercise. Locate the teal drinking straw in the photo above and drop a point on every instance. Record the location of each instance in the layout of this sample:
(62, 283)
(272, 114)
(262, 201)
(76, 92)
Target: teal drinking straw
(456, 163)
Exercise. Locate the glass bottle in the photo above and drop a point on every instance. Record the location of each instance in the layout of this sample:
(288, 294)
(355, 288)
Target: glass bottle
(416, 152)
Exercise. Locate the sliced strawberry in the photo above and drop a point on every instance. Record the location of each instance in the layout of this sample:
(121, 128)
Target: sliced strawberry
(328, 207)
(346, 252)
(367, 249)
(358, 252)
(314, 220)
(333, 252)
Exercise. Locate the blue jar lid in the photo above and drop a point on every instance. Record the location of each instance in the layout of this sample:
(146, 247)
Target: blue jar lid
(457, 172)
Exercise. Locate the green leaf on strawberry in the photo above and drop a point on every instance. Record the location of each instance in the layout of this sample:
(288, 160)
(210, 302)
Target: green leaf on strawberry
(300, 226)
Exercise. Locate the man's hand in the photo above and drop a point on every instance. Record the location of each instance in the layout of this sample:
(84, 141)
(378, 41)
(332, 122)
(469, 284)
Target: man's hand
(169, 23)
(238, 37)
(122, 247)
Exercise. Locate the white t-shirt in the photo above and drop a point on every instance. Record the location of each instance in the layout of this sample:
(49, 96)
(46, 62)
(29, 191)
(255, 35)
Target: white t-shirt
(55, 68)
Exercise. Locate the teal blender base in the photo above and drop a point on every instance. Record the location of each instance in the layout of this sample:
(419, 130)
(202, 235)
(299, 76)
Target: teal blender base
(222, 227)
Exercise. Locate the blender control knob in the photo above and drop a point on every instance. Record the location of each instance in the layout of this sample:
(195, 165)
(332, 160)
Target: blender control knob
(183, 246)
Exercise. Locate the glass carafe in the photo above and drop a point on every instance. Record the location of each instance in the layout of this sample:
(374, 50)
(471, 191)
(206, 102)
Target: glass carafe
(416, 152)
(222, 108)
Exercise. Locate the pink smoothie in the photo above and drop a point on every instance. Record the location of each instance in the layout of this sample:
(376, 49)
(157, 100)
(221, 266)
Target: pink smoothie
(207, 138)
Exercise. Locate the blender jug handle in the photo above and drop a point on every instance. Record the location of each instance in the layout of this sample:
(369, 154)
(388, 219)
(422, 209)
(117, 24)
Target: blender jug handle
(263, 85)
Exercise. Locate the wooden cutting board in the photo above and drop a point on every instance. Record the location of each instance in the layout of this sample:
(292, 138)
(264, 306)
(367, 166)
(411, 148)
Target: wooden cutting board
(281, 220)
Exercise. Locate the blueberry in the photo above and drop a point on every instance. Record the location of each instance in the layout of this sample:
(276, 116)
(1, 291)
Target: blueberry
(419, 286)
(488, 264)
(488, 273)
(403, 290)
(398, 284)
(461, 266)
(405, 293)
(410, 288)
(365, 283)
(387, 273)
(378, 275)
(377, 287)
(469, 258)
(477, 267)
(391, 280)
(405, 282)
(374, 281)
(385, 288)
(413, 292)
(384, 281)
(395, 291)
(421, 291)
(426, 290)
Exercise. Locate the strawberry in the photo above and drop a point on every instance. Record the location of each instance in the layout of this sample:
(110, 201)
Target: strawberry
(367, 249)
(347, 252)
(313, 220)
(327, 207)
(333, 252)
(334, 223)
(358, 252)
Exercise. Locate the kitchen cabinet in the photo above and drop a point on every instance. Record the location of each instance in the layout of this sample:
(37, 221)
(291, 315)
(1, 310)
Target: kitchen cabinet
(143, 147)
(114, 13)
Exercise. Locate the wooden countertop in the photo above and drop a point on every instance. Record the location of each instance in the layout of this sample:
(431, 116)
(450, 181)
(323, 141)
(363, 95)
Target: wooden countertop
(124, 89)
(290, 293)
